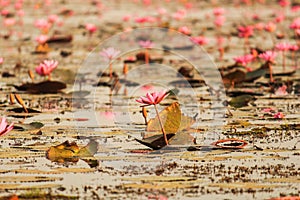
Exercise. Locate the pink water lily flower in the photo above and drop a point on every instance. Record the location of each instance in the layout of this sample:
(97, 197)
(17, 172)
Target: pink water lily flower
(294, 47)
(268, 110)
(284, 3)
(109, 53)
(295, 24)
(278, 115)
(146, 43)
(245, 31)
(52, 18)
(283, 46)
(179, 15)
(46, 67)
(9, 22)
(244, 60)
(268, 56)
(201, 40)
(4, 128)
(218, 11)
(152, 98)
(184, 30)
(41, 39)
(220, 20)
(91, 28)
(1, 60)
(42, 24)
(281, 90)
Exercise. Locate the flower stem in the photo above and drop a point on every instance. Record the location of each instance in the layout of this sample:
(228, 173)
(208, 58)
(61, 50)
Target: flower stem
(271, 73)
(283, 60)
(146, 56)
(110, 69)
(162, 128)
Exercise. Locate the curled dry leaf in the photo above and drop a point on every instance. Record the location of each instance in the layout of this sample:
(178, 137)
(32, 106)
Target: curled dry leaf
(71, 152)
(21, 102)
(173, 120)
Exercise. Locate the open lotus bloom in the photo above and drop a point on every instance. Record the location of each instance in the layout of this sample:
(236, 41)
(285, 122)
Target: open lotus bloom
(268, 56)
(4, 128)
(152, 98)
(46, 67)
(146, 44)
(109, 53)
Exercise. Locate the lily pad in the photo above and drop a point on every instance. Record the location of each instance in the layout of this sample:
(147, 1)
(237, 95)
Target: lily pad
(43, 87)
(241, 101)
(26, 127)
(60, 39)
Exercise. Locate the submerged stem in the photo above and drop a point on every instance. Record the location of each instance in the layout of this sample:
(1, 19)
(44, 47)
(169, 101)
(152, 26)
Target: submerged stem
(161, 125)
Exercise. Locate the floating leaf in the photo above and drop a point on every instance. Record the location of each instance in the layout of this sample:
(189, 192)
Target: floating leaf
(60, 39)
(189, 82)
(251, 76)
(241, 101)
(26, 127)
(237, 76)
(172, 119)
(230, 143)
(156, 141)
(71, 152)
(42, 87)
(280, 73)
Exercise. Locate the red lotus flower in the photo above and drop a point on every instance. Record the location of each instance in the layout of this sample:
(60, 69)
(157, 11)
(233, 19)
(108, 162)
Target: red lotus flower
(219, 21)
(109, 53)
(245, 31)
(295, 24)
(278, 115)
(283, 46)
(244, 60)
(152, 98)
(184, 30)
(9, 22)
(42, 24)
(270, 27)
(4, 128)
(201, 40)
(281, 90)
(91, 28)
(41, 39)
(268, 56)
(218, 11)
(294, 47)
(179, 15)
(46, 67)
(52, 18)
(146, 44)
